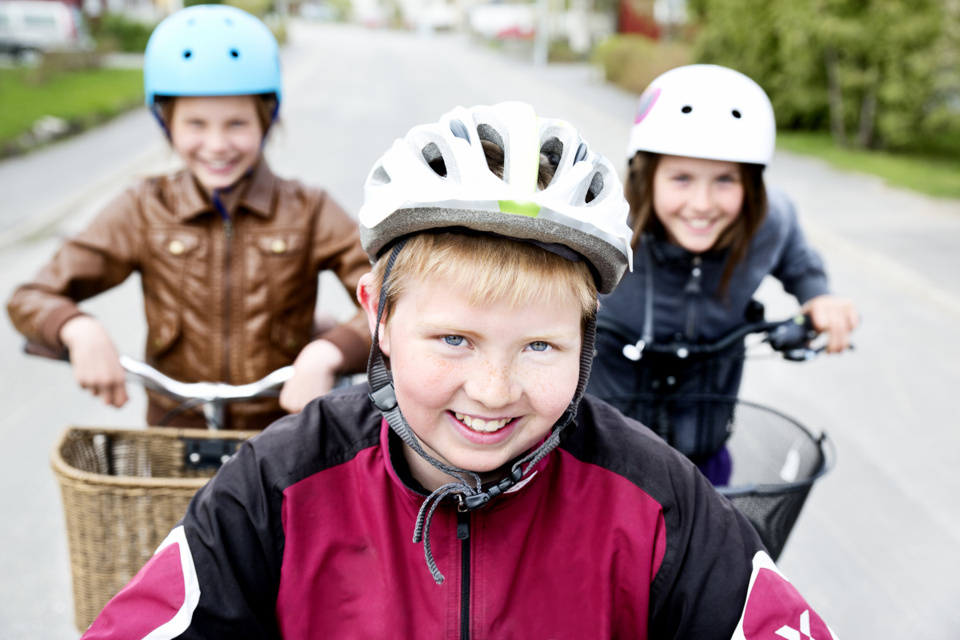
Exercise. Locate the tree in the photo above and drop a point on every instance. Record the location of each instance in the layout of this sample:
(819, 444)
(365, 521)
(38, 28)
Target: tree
(874, 72)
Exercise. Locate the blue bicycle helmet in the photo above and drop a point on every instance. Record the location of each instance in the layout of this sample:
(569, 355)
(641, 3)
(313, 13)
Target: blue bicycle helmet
(211, 50)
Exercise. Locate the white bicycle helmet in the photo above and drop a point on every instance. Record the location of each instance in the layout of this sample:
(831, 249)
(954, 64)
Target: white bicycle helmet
(705, 111)
(437, 176)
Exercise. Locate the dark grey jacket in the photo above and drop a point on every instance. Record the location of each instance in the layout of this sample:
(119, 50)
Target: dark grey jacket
(688, 307)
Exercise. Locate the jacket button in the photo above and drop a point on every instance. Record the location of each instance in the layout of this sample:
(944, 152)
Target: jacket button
(176, 247)
(278, 246)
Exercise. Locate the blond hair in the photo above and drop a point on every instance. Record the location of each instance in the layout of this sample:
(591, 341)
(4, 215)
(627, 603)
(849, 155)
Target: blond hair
(493, 269)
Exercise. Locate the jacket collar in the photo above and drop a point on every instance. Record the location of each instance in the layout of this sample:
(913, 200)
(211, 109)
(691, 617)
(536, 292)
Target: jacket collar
(663, 251)
(254, 193)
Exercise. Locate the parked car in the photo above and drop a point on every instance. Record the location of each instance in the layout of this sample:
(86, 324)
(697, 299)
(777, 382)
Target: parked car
(29, 28)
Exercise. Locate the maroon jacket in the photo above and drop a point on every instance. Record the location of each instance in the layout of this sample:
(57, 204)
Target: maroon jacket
(306, 533)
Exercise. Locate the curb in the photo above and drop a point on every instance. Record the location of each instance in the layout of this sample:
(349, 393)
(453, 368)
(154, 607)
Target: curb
(35, 226)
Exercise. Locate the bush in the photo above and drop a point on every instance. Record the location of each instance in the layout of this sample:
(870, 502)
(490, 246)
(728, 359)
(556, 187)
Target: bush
(115, 32)
(878, 74)
(633, 61)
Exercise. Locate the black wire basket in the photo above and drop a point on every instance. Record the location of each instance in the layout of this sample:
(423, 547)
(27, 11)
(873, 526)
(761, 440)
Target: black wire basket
(775, 459)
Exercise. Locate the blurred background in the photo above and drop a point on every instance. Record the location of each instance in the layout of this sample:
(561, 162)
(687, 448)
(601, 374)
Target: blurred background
(867, 97)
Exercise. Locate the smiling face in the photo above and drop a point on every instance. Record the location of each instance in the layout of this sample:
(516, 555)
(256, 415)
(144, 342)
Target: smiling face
(479, 384)
(696, 200)
(217, 137)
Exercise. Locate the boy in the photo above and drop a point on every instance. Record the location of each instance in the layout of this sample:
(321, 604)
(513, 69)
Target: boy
(492, 232)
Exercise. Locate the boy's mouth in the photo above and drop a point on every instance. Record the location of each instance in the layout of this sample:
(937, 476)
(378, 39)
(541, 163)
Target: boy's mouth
(480, 425)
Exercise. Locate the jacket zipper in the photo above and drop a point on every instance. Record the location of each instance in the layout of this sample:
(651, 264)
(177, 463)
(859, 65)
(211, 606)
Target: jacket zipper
(693, 290)
(463, 534)
(227, 282)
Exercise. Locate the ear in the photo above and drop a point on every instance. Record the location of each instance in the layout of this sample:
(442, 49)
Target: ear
(368, 294)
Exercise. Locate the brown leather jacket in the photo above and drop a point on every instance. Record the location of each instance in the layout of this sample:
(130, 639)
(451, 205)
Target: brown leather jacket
(224, 300)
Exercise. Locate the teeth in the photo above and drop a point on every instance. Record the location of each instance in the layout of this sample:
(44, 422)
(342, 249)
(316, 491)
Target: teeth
(698, 223)
(483, 426)
(218, 165)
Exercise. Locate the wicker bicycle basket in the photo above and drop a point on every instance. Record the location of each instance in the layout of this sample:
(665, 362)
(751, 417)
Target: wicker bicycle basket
(123, 490)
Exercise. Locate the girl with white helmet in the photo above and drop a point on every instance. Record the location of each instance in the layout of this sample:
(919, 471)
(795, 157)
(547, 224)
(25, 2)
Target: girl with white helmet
(229, 254)
(706, 231)
(541, 512)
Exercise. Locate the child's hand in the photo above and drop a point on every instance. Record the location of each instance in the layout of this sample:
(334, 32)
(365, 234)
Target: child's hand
(95, 362)
(314, 374)
(836, 316)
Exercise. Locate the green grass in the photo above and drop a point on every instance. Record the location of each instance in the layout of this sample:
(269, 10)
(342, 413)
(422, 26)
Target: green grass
(930, 175)
(83, 98)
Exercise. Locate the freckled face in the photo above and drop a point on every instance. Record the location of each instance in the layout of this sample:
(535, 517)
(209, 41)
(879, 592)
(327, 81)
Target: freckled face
(217, 137)
(696, 200)
(479, 385)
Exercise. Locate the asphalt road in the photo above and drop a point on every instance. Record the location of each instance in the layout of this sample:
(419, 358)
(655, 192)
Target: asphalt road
(876, 548)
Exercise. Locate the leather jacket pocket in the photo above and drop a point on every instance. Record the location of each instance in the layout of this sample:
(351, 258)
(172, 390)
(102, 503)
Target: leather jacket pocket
(162, 333)
(280, 244)
(291, 332)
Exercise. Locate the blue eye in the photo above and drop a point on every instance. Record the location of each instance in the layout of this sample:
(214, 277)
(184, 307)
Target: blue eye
(539, 346)
(454, 341)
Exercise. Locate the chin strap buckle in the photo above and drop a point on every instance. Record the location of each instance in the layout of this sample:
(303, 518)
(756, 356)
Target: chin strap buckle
(477, 500)
(384, 398)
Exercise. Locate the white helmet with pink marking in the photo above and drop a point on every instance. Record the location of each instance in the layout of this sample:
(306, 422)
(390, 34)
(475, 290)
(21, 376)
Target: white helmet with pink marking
(705, 111)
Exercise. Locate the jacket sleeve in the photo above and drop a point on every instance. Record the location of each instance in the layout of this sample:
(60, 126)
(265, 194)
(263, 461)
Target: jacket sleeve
(337, 248)
(716, 579)
(100, 257)
(800, 268)
(216, 575)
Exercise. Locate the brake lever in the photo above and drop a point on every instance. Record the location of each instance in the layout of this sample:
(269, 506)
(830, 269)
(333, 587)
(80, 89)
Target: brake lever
(792, 335)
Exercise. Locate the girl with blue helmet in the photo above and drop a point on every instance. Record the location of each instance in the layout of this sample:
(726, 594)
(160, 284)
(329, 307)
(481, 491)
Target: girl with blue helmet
(229, 254)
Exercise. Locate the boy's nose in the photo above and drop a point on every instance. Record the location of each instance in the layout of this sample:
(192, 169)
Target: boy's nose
(493, 385)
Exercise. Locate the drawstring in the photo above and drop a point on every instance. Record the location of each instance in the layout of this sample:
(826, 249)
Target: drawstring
(470, 495)
(635, 351)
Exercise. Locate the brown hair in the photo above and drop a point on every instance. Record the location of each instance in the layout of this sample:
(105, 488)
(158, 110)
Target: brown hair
(265, 104)
(638, 190)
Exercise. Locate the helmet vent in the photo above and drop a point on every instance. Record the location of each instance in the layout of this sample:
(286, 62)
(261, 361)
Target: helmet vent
(187, 54)
(553, 150)
(431, 153)
(488, 133)
(596, 186)
(459, 129)
(380, 176)
(234, 53)
(581, 153)
(736, 114)
(687, 109)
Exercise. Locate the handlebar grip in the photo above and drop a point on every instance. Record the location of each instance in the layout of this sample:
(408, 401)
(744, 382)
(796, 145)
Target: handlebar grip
(793, 334)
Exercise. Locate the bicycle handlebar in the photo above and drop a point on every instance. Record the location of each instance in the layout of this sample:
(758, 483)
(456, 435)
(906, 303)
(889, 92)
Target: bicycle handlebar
(790, 337)
(204, 391)
(211, 395)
